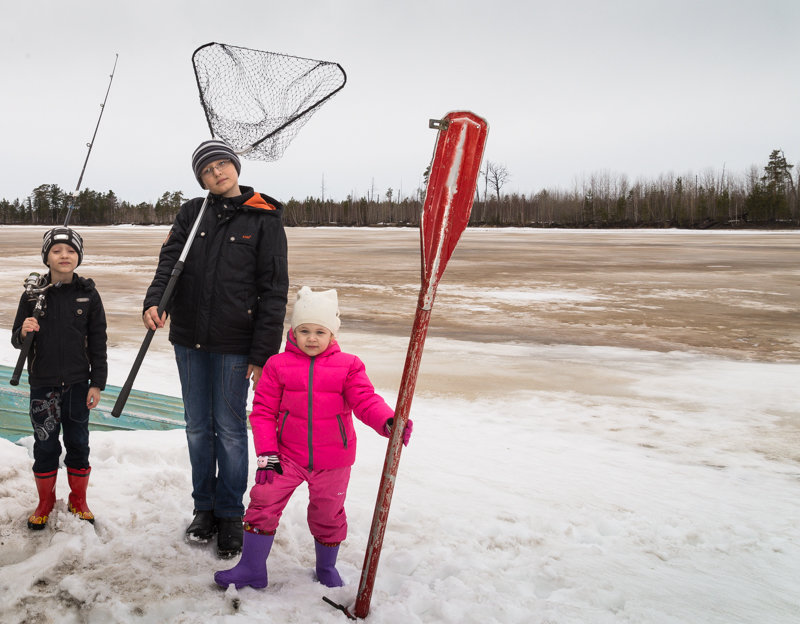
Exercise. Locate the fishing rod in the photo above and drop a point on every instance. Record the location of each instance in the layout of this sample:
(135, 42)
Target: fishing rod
(35, 285)
(90, 144)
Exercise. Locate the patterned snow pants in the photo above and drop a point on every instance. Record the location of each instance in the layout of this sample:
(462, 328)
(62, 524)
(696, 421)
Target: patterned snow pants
(54, 409)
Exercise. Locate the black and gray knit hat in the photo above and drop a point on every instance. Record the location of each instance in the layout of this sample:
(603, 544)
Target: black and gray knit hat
(62, 235)
(209, 151)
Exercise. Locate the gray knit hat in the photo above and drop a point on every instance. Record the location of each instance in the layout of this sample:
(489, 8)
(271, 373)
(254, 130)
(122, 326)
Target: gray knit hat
(209, 151)
(64, 235)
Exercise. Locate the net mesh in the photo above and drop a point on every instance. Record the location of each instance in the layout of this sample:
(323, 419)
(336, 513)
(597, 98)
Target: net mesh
(257, 101)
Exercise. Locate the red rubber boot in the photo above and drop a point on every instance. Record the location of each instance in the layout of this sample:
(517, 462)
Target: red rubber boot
(46, 486)
(78, 481)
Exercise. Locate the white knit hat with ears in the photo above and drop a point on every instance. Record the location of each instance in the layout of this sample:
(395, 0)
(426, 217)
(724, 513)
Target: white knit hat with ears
(320, 308)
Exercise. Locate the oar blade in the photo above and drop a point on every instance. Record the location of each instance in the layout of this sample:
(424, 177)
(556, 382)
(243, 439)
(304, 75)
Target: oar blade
(451, 190)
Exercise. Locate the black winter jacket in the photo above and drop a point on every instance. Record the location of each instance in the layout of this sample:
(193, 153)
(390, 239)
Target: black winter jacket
(70, 345)
(231, 294)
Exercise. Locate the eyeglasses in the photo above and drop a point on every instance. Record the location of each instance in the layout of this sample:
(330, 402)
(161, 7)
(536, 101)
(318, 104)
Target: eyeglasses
(217, 166)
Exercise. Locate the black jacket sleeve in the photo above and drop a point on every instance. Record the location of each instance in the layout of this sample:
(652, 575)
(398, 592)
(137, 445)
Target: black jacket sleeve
(96, 343)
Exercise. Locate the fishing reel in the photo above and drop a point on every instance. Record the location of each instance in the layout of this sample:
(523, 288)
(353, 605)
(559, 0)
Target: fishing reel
(35, 284)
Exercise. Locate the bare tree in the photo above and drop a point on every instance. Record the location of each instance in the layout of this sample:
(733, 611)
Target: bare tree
(497, 175)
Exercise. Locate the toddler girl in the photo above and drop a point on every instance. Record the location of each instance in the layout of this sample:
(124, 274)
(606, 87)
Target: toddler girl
(303, 431)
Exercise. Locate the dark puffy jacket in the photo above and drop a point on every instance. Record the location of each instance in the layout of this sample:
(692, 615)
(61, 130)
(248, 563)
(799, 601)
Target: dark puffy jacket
(231, 294)
(70, 345)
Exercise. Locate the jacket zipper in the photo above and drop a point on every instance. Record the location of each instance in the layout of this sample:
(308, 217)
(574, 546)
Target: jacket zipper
(311, 414)
(59, 320)
(219, 236)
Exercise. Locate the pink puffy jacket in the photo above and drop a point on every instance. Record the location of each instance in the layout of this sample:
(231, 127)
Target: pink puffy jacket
(303, 407)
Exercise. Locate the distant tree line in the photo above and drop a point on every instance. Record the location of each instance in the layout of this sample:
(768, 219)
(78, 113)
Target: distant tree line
(759, 198)
(48, 204)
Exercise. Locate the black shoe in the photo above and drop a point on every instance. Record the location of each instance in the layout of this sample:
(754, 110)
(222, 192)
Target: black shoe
(202, 527)
(229, 537)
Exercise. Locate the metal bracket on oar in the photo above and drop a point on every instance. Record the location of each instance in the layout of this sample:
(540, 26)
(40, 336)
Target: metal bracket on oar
(438, 124)
(341, 608)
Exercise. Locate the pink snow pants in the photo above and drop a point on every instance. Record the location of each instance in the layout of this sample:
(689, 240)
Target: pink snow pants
(327, 490)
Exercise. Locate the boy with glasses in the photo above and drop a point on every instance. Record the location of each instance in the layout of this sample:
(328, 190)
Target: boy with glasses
(226, 319)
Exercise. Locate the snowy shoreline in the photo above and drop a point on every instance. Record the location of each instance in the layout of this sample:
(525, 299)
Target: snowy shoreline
(659, 507)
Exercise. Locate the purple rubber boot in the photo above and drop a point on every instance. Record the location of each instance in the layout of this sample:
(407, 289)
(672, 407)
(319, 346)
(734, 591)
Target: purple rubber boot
(326, 565)
(252, 567)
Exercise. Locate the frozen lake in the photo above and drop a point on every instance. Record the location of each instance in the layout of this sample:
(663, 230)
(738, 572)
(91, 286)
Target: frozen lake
(607, 429)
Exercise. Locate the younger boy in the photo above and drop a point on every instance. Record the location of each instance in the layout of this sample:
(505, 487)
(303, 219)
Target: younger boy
(67, 370)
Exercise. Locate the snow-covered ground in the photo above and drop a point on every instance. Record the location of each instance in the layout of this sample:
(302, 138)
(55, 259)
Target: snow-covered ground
(620, 485)
(676, 503)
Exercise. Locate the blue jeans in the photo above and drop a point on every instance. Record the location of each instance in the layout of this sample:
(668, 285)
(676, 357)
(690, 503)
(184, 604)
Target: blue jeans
(55, 409)
(214, 387)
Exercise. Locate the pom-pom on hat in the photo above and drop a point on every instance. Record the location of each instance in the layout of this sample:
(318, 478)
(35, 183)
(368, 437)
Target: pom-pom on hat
(320, 308)
(210, 151)
(62, 235)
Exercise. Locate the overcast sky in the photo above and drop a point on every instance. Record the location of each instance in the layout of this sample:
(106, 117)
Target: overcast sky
(569, 88)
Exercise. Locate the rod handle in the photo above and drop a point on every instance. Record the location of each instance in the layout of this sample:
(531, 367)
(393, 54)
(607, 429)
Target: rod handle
(23, 355)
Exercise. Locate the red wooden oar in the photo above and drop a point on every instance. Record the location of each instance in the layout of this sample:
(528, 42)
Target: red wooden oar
(445, 214)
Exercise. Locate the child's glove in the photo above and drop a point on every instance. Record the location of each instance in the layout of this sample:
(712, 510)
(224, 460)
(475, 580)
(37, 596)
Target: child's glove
(267, 466)
(387, 427)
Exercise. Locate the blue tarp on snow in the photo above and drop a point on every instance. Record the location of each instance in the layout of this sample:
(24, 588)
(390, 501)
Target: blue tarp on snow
(143, 410)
